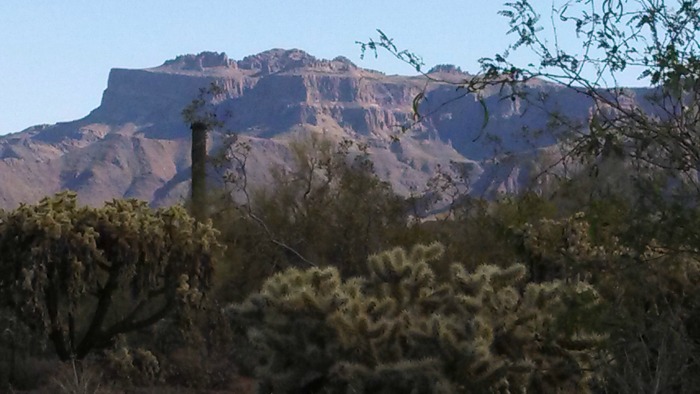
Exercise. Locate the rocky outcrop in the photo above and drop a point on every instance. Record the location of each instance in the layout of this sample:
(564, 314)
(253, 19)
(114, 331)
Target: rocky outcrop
(135, 144)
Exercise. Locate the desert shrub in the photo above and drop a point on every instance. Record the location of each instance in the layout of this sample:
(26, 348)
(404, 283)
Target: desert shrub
(398, 329)
(77, 377)
(481, 231)
(649, 295)
(197, 357)
(131, 366)
(82, 276)
(327, 206)
(22, 364)
(27, 373)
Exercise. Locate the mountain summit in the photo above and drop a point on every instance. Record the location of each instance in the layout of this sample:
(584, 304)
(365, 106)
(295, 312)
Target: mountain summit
(135, 144)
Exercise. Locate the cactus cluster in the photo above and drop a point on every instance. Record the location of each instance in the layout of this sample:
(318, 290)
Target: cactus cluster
(134, 366)
(85, 275)
(399, 329)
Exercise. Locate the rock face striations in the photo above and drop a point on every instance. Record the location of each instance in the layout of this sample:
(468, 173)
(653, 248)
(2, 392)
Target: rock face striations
(135, 144)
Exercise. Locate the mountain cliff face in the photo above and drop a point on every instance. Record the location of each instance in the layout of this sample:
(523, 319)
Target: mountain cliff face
(135, 144)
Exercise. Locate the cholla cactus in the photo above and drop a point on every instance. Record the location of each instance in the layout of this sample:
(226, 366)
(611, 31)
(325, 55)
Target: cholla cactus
(400, 330)
(85, 275)
(564, 249)
(136, 366)
(649, 296)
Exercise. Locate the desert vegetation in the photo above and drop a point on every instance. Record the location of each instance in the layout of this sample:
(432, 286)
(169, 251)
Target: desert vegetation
(327, 281)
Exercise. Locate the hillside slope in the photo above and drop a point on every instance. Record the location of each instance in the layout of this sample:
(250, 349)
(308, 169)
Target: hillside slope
(135, 143)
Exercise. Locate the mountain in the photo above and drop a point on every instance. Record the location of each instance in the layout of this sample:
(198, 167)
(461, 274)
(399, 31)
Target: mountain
(135, 144)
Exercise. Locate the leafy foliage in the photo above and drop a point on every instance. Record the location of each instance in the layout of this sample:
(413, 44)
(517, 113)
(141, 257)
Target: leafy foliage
(656, 133)
(327, 206)
(605, 298)
(649, 294)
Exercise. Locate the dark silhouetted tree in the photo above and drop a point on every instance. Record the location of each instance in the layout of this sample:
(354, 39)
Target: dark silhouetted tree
(82, 276)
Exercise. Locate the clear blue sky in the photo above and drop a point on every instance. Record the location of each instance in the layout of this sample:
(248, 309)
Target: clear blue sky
(55, 56)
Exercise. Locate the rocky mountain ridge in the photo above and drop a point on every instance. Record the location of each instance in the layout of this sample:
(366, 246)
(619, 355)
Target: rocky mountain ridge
(135, 144)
